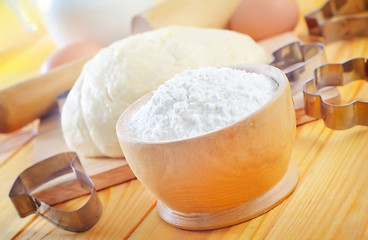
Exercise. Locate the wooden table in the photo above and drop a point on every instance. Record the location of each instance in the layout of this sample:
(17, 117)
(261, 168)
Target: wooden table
(330, 201)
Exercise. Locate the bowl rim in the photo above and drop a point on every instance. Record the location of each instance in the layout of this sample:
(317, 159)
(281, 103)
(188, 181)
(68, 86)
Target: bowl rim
(122, 133)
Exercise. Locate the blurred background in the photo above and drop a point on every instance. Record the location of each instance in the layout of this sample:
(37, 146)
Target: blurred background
(31, 30)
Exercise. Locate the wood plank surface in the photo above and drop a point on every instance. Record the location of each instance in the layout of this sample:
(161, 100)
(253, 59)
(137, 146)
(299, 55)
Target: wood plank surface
(123, 205)
(330, 201)
(10, 168)
(104, 172)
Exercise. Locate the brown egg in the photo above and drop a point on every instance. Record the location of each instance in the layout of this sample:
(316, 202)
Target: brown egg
(70, 53)
(265, 18)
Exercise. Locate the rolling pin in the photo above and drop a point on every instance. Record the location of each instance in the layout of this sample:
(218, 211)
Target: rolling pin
(198, 13)
(33, 98)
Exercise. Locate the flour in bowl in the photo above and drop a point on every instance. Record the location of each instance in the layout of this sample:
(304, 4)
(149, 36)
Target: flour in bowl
(196, 102)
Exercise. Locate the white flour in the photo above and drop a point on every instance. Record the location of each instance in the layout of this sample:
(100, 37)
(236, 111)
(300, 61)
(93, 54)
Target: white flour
(196, 102)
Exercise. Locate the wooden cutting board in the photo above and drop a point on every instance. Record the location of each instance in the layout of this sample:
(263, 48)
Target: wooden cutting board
(104, 172)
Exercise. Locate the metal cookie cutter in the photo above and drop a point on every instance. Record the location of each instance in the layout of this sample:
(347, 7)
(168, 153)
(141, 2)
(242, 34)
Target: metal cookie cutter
(79, 220)
(339, 19)
(298, 62)
(337, 116)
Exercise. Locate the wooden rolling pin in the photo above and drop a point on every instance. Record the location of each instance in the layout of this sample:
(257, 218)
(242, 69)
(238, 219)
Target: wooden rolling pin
(33, 98)
(199, 13)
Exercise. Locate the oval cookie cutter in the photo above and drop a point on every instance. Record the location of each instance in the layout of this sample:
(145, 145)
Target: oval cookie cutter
(337, 116)
(79, 220)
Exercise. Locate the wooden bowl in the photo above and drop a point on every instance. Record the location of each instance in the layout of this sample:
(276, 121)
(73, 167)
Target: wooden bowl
(223, 177)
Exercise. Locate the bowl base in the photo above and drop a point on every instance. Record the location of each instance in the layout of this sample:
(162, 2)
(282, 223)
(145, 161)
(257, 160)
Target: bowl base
(234, 215)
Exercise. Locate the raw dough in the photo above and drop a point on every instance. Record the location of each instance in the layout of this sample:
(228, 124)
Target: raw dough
(126, 70)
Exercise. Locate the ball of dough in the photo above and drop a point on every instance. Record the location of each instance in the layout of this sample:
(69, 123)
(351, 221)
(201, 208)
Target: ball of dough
(126, 70)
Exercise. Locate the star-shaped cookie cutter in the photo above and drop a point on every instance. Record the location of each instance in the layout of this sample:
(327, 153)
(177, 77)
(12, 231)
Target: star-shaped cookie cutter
(339, 19)
(337, 116)
(43, 172)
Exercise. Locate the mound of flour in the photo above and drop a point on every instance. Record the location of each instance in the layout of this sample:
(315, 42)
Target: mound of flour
(197, 102)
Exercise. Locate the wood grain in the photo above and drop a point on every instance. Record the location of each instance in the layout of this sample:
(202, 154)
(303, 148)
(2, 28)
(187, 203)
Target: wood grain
(238, 214)
(330, 202)
(10, 143)
(104, 172)
(125, 206)
(10, 222)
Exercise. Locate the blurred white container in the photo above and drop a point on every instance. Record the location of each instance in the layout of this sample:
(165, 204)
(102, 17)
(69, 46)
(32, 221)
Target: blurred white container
(70, 21)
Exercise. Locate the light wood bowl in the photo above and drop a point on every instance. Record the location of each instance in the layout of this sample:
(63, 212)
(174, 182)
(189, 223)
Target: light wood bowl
(223, 177)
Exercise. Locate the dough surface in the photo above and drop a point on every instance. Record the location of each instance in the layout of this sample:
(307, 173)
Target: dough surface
(127, 69)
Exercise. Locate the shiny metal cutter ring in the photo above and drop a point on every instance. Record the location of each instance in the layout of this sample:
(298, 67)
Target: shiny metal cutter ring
(337, 116)
(298, 62)
(339, 19)
(79, 220)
